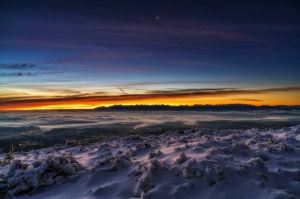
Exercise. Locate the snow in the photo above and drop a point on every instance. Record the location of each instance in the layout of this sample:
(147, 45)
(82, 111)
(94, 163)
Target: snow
(196, 163)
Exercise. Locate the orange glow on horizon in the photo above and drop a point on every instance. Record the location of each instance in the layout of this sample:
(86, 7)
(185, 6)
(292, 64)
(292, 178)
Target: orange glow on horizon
(291, 98)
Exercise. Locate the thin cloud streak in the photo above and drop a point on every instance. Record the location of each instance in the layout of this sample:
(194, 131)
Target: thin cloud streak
(17, 74)
(17, 66)
(177, 82)
(247, 100)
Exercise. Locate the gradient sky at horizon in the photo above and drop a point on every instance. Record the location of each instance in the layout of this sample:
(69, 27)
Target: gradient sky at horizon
(84, 53)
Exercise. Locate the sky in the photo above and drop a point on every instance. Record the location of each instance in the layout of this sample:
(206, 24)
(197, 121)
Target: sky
(83, 54)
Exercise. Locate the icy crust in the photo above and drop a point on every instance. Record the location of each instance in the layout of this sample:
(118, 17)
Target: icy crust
(197, 163)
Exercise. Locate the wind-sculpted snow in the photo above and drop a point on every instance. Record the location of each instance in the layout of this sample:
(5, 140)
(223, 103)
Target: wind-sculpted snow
(196, 163)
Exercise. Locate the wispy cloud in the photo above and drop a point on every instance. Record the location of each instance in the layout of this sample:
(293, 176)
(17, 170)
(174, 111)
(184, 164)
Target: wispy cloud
(247, 100)
(17, 74)
(16, 70)
(178, 82)
(17, 66)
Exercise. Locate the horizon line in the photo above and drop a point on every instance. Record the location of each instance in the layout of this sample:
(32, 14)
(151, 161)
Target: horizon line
(148, 105)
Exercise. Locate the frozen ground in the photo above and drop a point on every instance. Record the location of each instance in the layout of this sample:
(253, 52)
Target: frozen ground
(196, 163)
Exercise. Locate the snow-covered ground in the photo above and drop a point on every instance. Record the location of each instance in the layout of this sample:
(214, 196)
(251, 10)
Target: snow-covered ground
(196, 163)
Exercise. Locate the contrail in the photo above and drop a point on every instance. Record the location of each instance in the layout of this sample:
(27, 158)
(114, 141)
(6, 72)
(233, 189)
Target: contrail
(121, 90)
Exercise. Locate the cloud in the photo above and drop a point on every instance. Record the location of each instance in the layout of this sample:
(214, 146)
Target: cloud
(16, 70)
(17, 66)
(101, 98)
(190, 91)
(247, 100)
(16, 74)
(176, 82)
(140, 35)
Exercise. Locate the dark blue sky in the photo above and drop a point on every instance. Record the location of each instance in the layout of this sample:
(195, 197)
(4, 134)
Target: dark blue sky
(101, 46)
